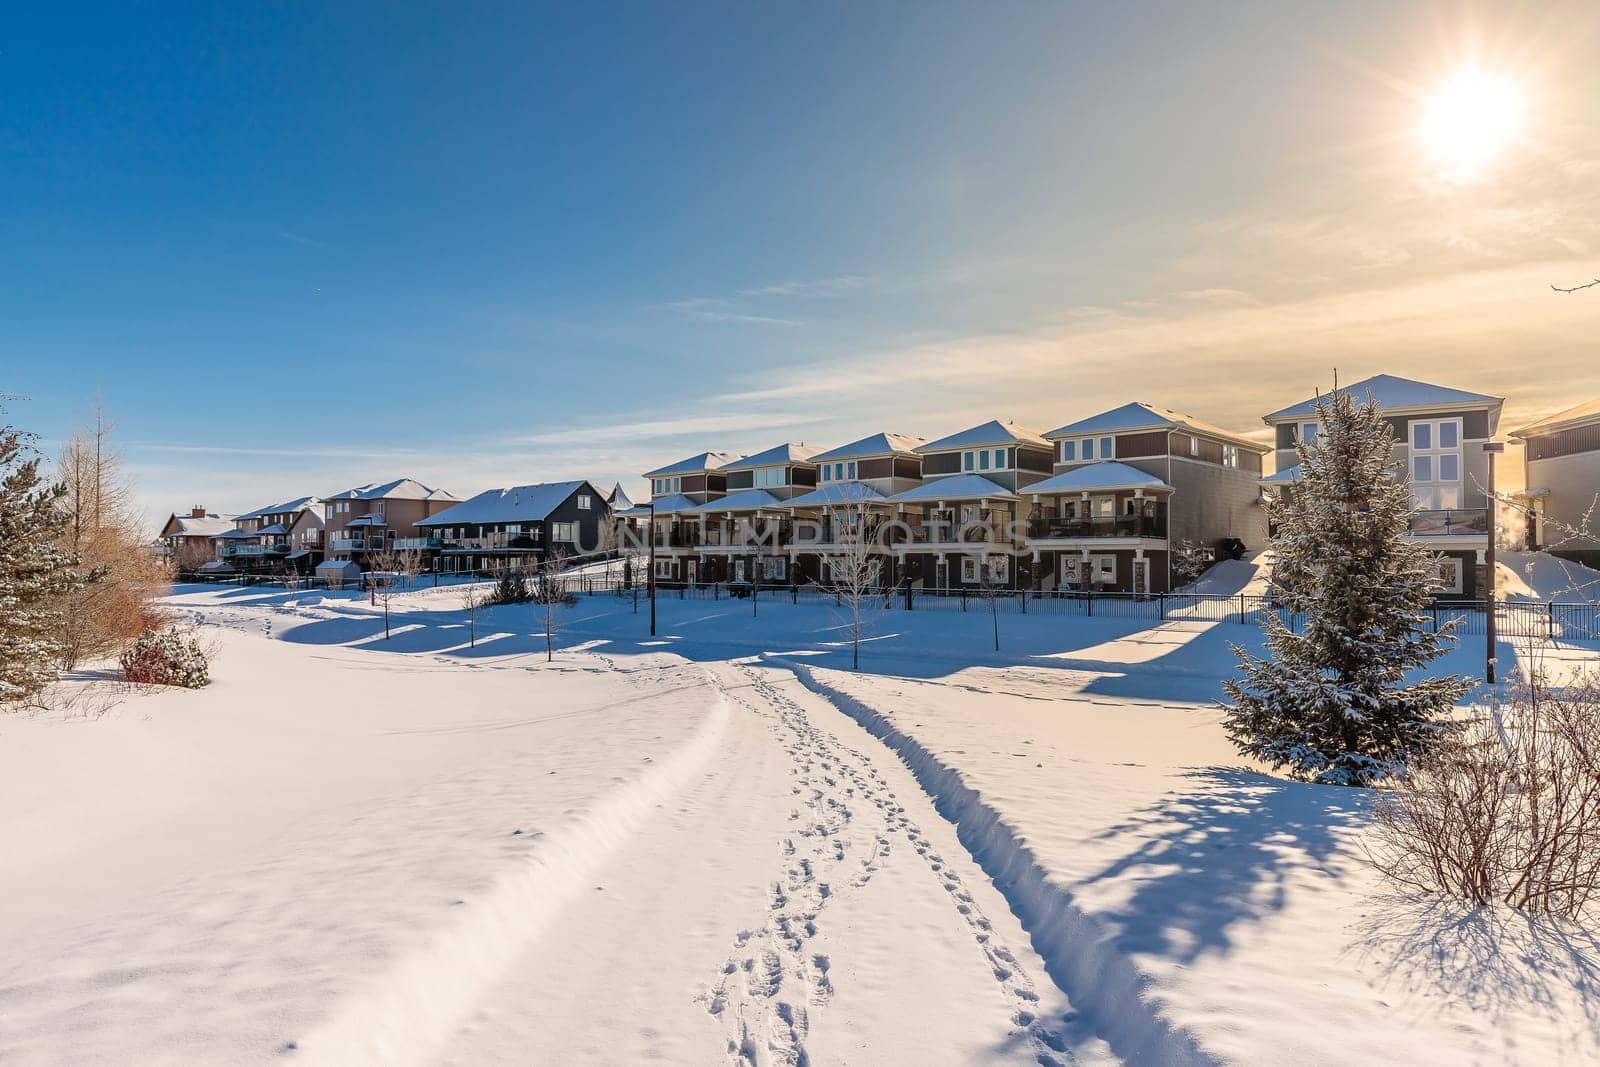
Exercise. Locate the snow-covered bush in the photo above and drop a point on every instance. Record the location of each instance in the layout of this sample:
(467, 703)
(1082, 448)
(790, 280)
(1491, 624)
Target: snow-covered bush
(168, 656)
(1508, 810)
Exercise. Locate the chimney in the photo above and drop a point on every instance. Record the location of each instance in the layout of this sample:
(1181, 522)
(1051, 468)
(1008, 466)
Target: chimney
(197, 512)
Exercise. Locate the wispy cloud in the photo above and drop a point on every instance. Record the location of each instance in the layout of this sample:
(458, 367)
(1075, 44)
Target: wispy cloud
(711, 309)
(823, 287)
(644, 429)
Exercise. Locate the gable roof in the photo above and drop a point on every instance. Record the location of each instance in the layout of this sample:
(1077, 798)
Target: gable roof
(879, 444)
(1578, 415)
(189, 526)
(519, 503)
(399, 489)
(1395, 393)
(955, 487)
(1141, 416)
(834, 494)
(993, 432)
(784, 453)
(297, 504)
(705, 461)
(663, 505)
(1102, 476)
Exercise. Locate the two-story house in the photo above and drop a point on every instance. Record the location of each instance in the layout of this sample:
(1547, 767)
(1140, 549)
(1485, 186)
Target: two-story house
(743, 534)
(676, 490)
(520, 527)
(1439, 439)
(851, 500)
(185, 541)
(276, 539)
(1561, 476)
(359, 523)
(960, 527)
(1132, 483)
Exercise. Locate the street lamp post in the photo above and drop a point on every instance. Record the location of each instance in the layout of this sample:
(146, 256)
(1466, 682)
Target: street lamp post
(1492, 449)
(652, 574)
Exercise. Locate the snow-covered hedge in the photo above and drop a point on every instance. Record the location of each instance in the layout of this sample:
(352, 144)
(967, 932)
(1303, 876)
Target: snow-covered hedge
(168, 656)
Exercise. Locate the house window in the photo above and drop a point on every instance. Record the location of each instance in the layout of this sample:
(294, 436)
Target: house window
(1194, 445)
(584, 502)
(767, 477)
(983, 460)
(774, 568)
(565, 532)
(1104, 569)
(967, 461)
(1105, 507)
(1308, 434)
(1069, 451)
(1088, 448)
(999, 568)
(1449, 579)
(663, 568)
(1230, 455)
(665, 486)
(1436, 464)
(969, 568)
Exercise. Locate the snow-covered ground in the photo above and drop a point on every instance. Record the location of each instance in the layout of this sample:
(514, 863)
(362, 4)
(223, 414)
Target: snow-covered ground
(720, 843)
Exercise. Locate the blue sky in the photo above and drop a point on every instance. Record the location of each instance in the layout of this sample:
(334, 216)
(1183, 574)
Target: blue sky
(297, 248)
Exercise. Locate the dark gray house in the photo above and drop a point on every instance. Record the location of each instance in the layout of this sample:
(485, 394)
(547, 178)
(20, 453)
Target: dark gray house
(521, 526)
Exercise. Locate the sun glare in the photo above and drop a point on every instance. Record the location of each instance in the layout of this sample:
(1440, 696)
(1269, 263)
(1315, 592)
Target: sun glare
(1469, 119)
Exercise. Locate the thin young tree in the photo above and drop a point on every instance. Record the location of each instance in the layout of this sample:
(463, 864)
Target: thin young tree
(472, 599)
(552, 594)
(383, 580)
(851, 569)
(992, 572)
(1333, 704)
(36, 570)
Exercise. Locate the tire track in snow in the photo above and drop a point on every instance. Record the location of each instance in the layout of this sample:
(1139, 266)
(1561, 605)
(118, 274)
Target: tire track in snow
(420, 1001)
(1078, 949)
(848, 821)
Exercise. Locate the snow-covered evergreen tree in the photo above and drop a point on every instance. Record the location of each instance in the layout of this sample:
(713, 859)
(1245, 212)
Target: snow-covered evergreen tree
(34, 570)
(1331, 703)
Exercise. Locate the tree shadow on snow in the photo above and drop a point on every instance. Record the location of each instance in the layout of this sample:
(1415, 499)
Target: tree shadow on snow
(1219, 853)
(1496, 961)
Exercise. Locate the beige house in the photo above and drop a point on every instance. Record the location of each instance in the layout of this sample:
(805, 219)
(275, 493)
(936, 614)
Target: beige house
(1561, 465)
(186, 540)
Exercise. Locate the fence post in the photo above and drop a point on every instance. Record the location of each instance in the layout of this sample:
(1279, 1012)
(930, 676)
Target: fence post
(1023, 595)
(1241, 609)
(908, 594)
(794, 594)
(1089, 599)
(1550, 620)
(1161, 605)
(963, 599)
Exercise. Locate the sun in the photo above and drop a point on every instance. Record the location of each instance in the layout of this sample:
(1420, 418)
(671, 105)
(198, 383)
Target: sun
(1470, 118)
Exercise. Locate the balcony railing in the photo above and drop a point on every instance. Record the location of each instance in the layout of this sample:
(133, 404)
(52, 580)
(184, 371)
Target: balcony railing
(1454, 522)
(948, 533)
(357, 544)
(1114, 526)
(411, 544)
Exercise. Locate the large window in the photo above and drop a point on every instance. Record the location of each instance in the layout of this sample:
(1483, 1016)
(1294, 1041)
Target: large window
(985, 459)
(585, 501)
(1088, 449)
(565, 532)
(665, 486)
(768, 477)
(1449, 579)
(843, 471)
(1436, 463)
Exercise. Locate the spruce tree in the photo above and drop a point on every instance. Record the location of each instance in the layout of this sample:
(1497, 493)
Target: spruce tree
(1331, 704)
(34, 570)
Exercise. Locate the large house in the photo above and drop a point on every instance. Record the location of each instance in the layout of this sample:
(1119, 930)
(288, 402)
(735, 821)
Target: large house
(960, 526)
(275, 539)
(743, 534)
(851, 503)
(1440, 434)
(363, 522)
(185, 540)
(676, 490)
(1131, 485)
(1561, 473)
(520, 526)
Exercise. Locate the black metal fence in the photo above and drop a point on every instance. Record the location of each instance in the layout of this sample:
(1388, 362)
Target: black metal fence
(1514, 619)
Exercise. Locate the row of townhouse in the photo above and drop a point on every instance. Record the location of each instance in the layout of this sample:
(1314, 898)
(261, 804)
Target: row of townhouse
(362, 525)
(1101, 503)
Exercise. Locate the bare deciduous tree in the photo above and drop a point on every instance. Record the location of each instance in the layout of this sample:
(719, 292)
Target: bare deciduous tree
(391, 567)
(993, 573)
(551, 592)
(472, 598)
(851, 573)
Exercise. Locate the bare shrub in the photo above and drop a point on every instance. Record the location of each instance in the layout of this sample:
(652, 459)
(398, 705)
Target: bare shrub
(170, 656)
(1508, 809)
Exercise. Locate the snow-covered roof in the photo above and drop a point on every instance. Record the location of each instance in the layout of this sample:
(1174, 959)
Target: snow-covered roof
(1142, 416)
(619, 499)
(216, 565)
(519, 503)
(197, 526)
(298, 504)
(1102, 477)
(787, 452)
(705, 461)
(993, 432)
(1287, 476)
(340, 566)
(1579, 415)
(747, 500)
(275, 528)
(367, 520)
(879, 444)
(835, 494)
(235, 535)
(664, 505)
(955, 487)
(1392, 393)
(399, 489)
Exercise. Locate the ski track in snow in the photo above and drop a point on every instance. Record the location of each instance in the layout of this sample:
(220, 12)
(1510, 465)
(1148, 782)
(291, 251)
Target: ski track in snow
(847, 820)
